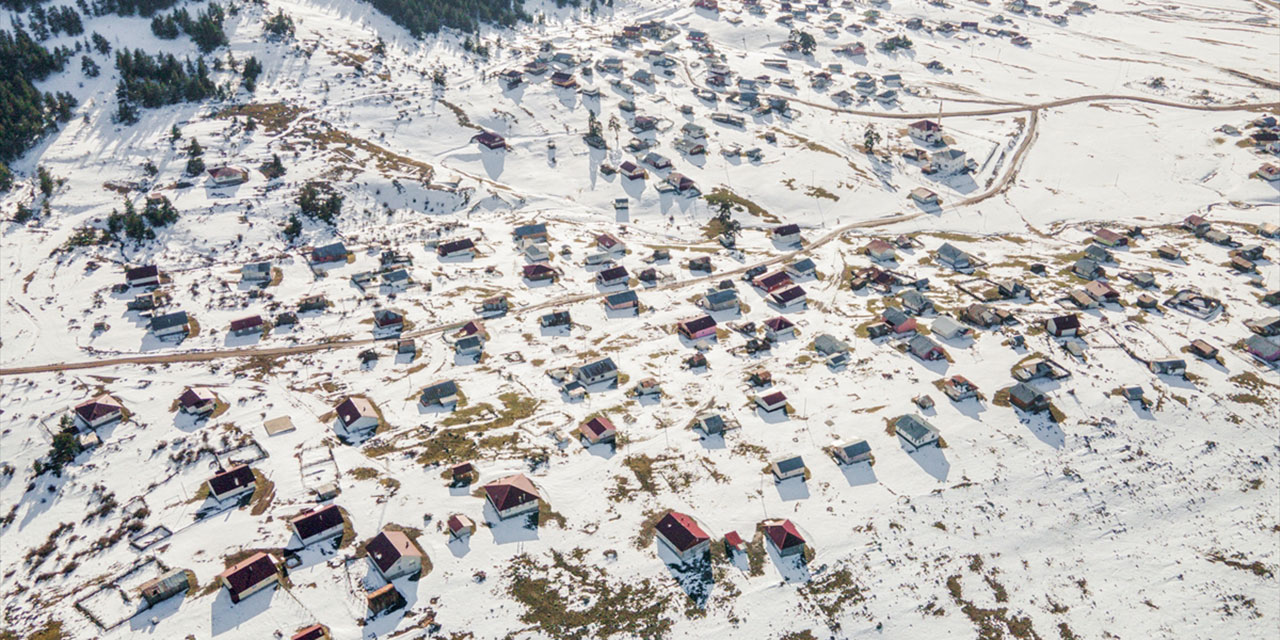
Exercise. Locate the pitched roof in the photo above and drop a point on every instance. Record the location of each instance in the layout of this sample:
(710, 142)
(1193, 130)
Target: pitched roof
(168, 320)
(353, 409)
(439, 390)
(784, 534)
(856, 448)
(622, 298)
(230, 480)
(779, 323)
(681, 531)
(388, 547)
(788, 464)
(599, 426)
(313, 632)
(309, 525)
(511, 491)
(249, 572)
(700, 323)
(96, 408)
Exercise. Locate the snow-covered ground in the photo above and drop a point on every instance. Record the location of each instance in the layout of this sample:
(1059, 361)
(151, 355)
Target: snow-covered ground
(1117, 519)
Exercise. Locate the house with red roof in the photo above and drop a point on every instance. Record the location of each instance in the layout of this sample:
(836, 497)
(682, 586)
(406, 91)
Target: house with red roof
(319, 524)
(394, 555)
(598, 430)
(357, 414)
(233, 482)
(772, 402)
(512, 496)
(697, 328)
(784, 537)
(95, 412)
(779, 328)
(197, 400)
(460, 526)
(313, 632)
(682, 536)
(249, 576)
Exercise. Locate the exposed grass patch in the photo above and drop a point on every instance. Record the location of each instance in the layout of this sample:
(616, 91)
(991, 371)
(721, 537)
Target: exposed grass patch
(573, 600)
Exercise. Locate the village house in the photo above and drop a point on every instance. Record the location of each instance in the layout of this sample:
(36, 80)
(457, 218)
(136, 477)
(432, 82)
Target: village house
(948, 329)
(610, 244)
(829, 345)
(925, 197)
(1269, 326)
(898, 320)
(785, 537)
(99, 411)
(710, 423)
(926, 132)
(1262, 348)
(597, 430)
(772, 402)
(384, 598)
(234, 482)
(335, 252)
(197, 401)
(170, 324)
(787, 298)
(1039, 368)
(603, 370)
(440, 394)
(146, 276)
(623, 300)
(319, 524)
(880, 251)
(489, 140)
(1101, 291)
(558, 318)
(1109, 238)
(493, 306)
(952, 257)
(1097, 254)
(512, 496)
(1169, 252)
(1195, 224)
(915, 431)
(357, 414)
(313, 632)
(802, 268)
(463, 248)
(394, 555)
(632, 171)
(469, 346)
(613, 276)
(778, 328)
(1168, 366)
(162, 588)
(249, 576)
(386, 320)
(460, 527)
(536, 232)
(948, 162)
(539, 273)
(697, 328)
(227, 176)
(772, 281)
(682, 536)
(787, 234)
(852, 452)
(511, 78)
(256, 274)
(925, 348)
(916, 303)
(787, 467)
(1028, 398)
(247, 326)
(1063, 326)
(719, 300)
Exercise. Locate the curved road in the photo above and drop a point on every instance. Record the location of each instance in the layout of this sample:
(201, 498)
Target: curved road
(328, 344)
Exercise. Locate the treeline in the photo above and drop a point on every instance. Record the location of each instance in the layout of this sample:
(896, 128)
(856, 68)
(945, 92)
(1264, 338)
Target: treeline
(205, 29)
(26, 113)
(154, 81)
(422, 17)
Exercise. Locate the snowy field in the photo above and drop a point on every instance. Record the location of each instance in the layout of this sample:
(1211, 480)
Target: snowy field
(1104, 518)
